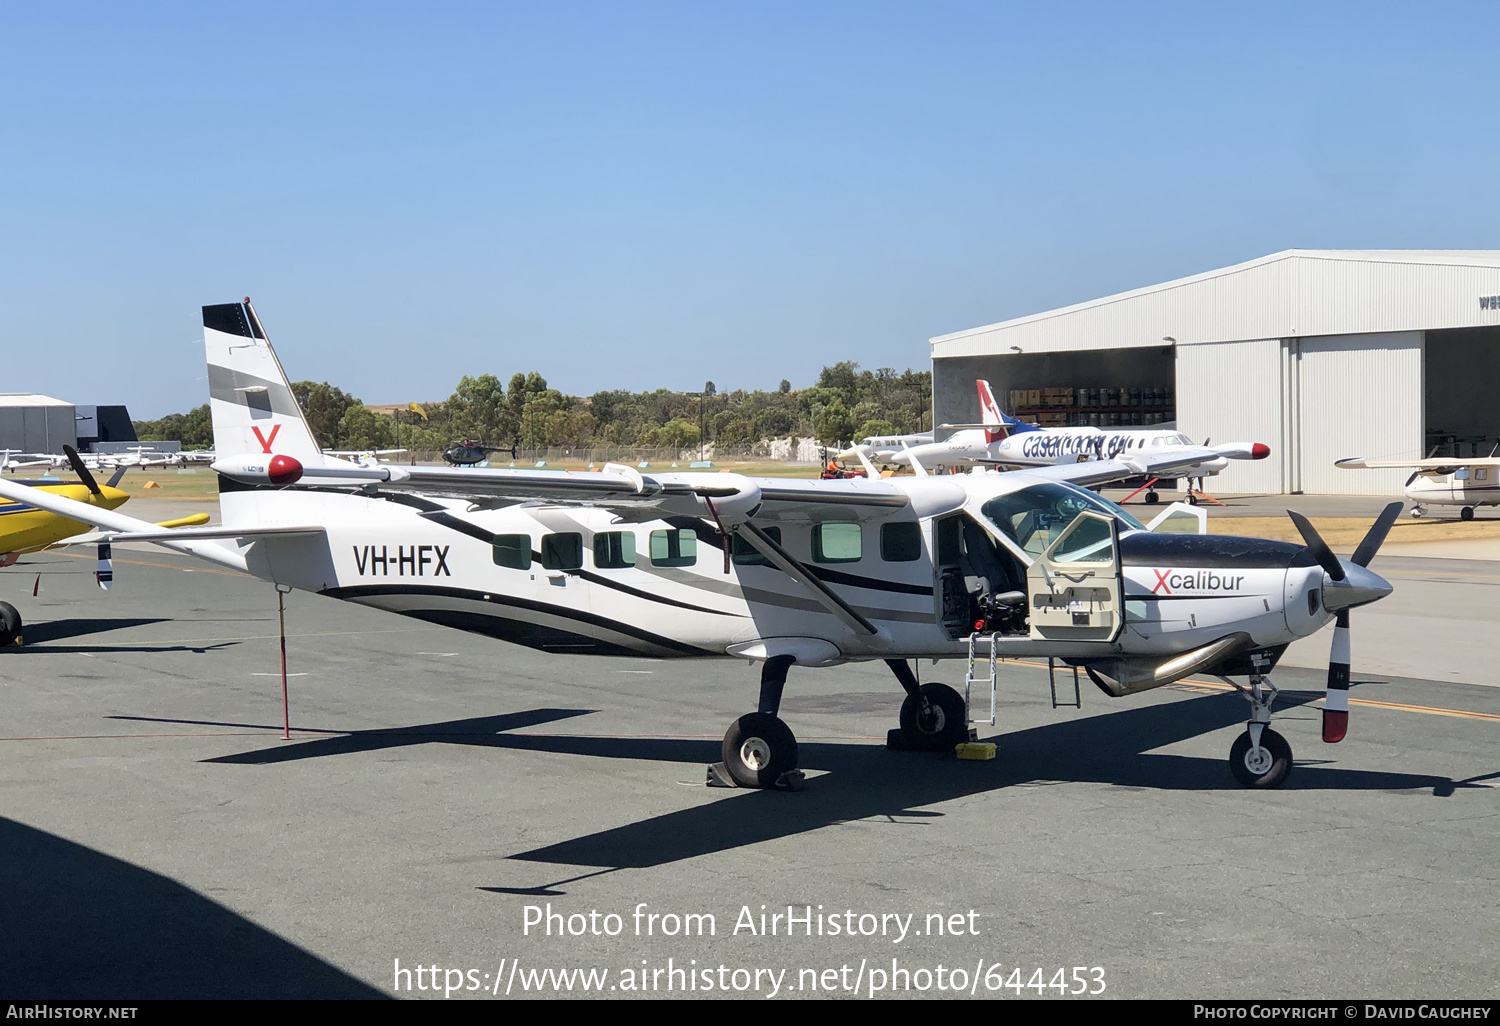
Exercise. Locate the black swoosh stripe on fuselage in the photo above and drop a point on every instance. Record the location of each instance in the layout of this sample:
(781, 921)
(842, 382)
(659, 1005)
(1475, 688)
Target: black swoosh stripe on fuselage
(357, 592)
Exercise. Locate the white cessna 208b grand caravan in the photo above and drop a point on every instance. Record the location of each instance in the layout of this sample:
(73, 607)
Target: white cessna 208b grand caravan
(781, 572)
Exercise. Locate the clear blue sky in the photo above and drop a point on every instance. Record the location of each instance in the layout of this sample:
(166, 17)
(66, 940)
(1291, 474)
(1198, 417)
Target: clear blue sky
(654, 194)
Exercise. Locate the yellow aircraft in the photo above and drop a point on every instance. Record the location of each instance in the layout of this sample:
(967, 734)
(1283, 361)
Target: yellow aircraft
(24, 528)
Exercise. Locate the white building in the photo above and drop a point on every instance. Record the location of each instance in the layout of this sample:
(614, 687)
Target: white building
(1321, 354)
(36, 423)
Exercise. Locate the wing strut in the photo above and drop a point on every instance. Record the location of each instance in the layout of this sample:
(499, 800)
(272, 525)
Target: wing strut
(788, 564)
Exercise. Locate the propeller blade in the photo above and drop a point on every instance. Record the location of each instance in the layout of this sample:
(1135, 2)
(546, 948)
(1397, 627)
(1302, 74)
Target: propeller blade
(1376, 535)
(82, 471)
(1336, 697)
(114, 479)
(1317, 546)
(105, 574)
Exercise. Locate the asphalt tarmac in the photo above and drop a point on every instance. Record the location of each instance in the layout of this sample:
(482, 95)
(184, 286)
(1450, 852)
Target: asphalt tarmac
(158, 838)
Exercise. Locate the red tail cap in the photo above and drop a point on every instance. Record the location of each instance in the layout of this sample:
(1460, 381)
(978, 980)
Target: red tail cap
(1259, 451)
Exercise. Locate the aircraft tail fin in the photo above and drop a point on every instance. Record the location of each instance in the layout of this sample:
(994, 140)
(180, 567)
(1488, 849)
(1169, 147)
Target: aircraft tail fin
(250, 399)
(997, 424)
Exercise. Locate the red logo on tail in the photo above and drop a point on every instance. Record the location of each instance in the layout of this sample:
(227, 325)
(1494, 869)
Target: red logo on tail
(265, 443)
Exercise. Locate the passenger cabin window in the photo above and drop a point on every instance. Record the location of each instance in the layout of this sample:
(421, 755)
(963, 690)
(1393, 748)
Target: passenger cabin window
(901, 542)
(837, 543)
(746, 554)
(614, 550)
(512, 550)
(562, 551)
(674, 548)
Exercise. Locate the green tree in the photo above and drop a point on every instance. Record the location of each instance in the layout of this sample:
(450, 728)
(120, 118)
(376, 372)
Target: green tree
(324, 406)
(674, 434)
(362, 428)
(875, 427)
(478, 409)
(833, 424)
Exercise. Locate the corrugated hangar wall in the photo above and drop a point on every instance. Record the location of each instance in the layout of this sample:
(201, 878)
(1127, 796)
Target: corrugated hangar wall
(1359, 395)
(1313, 401)
(33, 428)
(1232, 392)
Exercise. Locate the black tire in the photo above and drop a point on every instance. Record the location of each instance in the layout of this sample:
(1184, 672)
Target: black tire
(1281, 760)
(1467, 513)
(1152, 498)
(10, 624)
(948, 724)
(758, 749)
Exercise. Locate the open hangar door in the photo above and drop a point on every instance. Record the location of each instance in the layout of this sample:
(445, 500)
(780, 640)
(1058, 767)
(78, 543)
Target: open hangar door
(1461, 367)
(1109, 387)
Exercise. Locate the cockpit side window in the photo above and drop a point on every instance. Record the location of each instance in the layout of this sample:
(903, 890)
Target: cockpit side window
(1034, 516)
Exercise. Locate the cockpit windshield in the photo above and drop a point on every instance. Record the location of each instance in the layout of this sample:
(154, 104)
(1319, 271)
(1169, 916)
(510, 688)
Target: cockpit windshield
(1035, 515)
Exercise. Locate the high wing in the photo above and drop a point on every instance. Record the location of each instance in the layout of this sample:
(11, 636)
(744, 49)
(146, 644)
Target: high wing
(1165, 462)
(731, 499)
(1434, 465)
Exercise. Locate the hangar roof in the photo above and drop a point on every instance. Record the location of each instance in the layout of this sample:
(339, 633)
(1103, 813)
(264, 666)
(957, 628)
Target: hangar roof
(29, 399)
(1294, 293)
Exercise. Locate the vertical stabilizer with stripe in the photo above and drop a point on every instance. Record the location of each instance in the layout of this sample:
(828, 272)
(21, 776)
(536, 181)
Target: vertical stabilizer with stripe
(249, 397)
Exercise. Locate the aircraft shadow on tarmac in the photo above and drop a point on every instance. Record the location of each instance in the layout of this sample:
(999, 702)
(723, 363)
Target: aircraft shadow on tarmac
(82, 925)
(863, 781)
(40, 637)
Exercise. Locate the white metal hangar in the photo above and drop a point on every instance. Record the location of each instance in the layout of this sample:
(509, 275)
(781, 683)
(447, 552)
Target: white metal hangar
(1321, 354)
(36, 423)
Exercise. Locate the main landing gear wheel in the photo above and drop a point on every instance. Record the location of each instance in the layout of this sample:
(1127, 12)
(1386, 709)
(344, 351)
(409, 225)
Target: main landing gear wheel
(1467, 513)
(1152, 498)
(10, 624)
(1264, 767)
(945, 724)
(758, 750)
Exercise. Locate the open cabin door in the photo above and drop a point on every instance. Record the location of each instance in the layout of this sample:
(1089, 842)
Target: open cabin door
(1074, 587)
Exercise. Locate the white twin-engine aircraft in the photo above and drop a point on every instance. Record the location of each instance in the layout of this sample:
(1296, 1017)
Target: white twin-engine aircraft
(780, 572)
(1001, 440)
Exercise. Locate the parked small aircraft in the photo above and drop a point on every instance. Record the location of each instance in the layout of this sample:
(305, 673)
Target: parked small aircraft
(1002, 440)
(364, 457)
(779, 572)
(1469, 482)
(26, 526)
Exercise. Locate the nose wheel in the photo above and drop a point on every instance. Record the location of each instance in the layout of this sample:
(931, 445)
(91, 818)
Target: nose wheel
(1260, 757)
(1265, 765)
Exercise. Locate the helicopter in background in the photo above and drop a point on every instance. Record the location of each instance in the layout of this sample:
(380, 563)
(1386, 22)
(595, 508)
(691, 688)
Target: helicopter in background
(469, 452)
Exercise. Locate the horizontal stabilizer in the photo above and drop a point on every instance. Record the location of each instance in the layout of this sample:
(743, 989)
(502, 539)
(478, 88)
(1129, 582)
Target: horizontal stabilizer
(201, 533)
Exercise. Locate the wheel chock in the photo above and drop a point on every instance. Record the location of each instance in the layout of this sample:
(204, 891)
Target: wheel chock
(791, 780)
(718, 776)
(975, 751)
